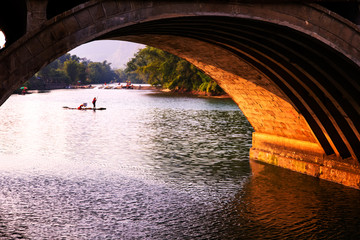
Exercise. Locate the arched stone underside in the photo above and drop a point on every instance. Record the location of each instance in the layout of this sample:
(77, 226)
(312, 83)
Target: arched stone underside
(293, 69)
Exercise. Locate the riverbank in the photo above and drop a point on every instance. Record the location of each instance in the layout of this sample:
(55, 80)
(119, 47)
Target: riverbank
(202, 94)
(136, 87)
(196, 93)
(149, 87)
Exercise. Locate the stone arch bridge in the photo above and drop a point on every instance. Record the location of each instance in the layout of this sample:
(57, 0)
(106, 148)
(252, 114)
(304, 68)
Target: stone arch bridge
(293, 68)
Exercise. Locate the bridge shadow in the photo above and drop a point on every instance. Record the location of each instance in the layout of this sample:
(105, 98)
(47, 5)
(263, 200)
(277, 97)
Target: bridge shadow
(277, 203)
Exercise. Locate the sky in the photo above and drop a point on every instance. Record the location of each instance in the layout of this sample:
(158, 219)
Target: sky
(2, 39)
(118, 53)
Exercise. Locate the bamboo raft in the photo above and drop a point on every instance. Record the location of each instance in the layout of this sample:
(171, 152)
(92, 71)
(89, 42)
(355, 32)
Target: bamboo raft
(85, 108)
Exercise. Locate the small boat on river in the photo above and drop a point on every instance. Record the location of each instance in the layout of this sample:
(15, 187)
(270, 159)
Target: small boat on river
(85, 108)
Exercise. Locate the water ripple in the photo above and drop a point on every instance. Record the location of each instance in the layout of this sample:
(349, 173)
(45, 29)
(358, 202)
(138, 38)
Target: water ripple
(152, 166)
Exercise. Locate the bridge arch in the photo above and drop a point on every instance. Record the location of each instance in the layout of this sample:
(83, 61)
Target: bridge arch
(292, 68)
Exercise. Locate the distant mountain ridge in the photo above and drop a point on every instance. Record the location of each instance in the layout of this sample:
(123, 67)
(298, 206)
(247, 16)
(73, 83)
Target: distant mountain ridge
(118, 53)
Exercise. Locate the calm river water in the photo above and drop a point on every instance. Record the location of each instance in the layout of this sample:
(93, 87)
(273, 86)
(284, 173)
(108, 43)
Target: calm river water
(152, 166)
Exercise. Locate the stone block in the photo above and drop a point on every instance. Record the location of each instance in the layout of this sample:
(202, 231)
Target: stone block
(4, 71)
(97, 12)
(71, 24)
(23, 55)
(347, 34)
(84, 18)
(34, 46)
(46, 38)
(110, 7)
(313, 15)
(355, 42)
(124, 6)
(59, 31)
(99, 26)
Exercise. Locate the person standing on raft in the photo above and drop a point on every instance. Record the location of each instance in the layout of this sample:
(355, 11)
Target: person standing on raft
(94, 102)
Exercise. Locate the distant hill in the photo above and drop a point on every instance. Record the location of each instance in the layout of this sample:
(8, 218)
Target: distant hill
(118, 53)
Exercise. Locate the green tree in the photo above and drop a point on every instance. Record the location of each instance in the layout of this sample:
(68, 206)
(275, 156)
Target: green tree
(209, 85)
(74, 70)
(163, 69)
(69, 69)
(121, 75)
(101, 72)
(95, 72)
(132, 67)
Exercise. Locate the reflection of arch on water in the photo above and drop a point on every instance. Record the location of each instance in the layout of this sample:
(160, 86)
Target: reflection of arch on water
(288, 67)
(275, 203)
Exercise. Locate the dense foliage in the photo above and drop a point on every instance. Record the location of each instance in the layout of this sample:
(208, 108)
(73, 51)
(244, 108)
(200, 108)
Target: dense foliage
(149, 65)
(72, 70)
(163, 69)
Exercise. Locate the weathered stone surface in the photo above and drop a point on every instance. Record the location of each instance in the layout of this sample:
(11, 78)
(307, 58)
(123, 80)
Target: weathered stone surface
(36, 14)
(320, 167)
(84, 18)
(110, 8)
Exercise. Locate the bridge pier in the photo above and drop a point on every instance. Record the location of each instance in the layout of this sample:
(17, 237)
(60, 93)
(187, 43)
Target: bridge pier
(36, 14)
(304, 157)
